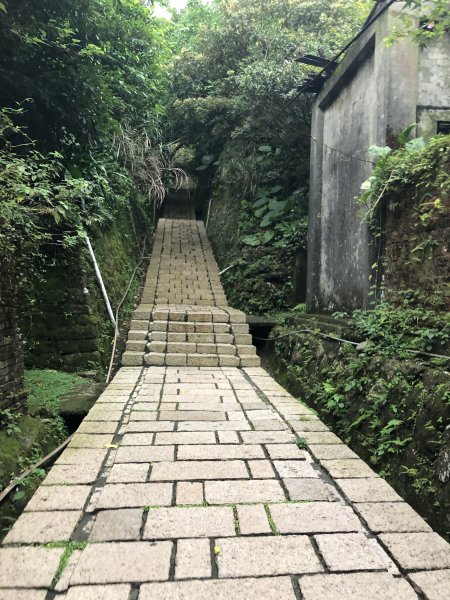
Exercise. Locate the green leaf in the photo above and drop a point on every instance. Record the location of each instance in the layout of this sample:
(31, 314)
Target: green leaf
(275, 189)
(270, 218)
(18, 496)
(265, 148)
(267, 236)
(367, 185)
(261, 202)
(415, 144)
(207, 159)
(251, 240)
(404, 136)
(277, 205)
(379, 151)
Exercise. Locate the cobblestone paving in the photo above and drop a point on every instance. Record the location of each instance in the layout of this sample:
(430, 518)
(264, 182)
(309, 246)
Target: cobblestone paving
(213, 482)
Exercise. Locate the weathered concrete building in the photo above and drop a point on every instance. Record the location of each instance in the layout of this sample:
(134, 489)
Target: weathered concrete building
(372, 96)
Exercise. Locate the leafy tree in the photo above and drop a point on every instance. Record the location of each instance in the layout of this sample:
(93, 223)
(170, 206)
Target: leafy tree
(87, 66)
(81, 85)
(423, 21)
(235, 82)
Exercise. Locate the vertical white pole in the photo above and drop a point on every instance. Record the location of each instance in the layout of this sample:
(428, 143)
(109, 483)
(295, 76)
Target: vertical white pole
(207, 216)
(100, 280)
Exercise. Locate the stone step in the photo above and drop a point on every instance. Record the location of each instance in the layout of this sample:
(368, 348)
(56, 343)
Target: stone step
(243, 338)
(137, 334)
(246, 350)
(137, 325)
(250, 361)
(136, 345)
(132, 359)
(197, 360)
(142, 313)
(188, 327)
(197, 316)
(188, 348)
(196, 338)
(239, 328)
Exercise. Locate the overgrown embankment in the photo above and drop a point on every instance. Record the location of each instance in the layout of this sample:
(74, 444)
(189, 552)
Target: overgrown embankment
(81, 94)
(393, 411)
(68, 325)
(81, 102)
(267, 261)
(27, 435)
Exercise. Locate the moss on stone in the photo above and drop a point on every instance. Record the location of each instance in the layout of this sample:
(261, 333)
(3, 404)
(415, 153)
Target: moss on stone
(19, 444)
(70, 325)
(393, 413)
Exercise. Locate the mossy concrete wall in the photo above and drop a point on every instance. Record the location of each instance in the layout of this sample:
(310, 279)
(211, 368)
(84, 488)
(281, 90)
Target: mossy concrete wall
(69, 327)
(417, 251)
(375, 93)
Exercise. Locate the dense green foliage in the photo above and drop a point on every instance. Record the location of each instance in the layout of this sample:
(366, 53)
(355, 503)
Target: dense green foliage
(271, 232)
(388, 405)
(88, 66)
(46, 387)
(81, 90)
(410, 186)
(396, 329)
(424, 166)
(236, 106)
(422, 21)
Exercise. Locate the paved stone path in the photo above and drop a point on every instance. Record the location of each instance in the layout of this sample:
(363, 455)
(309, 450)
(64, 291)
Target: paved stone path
(184, 318)
(191, 482)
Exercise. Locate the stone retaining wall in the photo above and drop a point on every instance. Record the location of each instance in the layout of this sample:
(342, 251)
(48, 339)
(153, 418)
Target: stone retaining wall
(11, 353)
(392, 413)
(417, 253)
(70, 327)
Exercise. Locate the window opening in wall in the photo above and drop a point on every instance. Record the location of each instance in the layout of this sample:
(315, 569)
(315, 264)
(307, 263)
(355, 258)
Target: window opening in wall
(443, 127)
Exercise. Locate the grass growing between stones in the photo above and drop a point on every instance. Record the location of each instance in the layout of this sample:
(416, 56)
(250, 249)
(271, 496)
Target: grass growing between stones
(301, 442)
(273, 527)
(69, 548)
(237, 526)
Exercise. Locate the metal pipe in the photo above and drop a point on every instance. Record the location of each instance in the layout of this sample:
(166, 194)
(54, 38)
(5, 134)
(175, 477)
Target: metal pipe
(28, 472)
(338, 339)
(100, 280)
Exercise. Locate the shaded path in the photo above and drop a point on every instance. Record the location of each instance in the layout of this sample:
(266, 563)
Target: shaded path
(186, 482)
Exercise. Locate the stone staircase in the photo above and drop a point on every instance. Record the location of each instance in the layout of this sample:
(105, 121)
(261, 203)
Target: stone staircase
(184, 318)
(177, 336)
